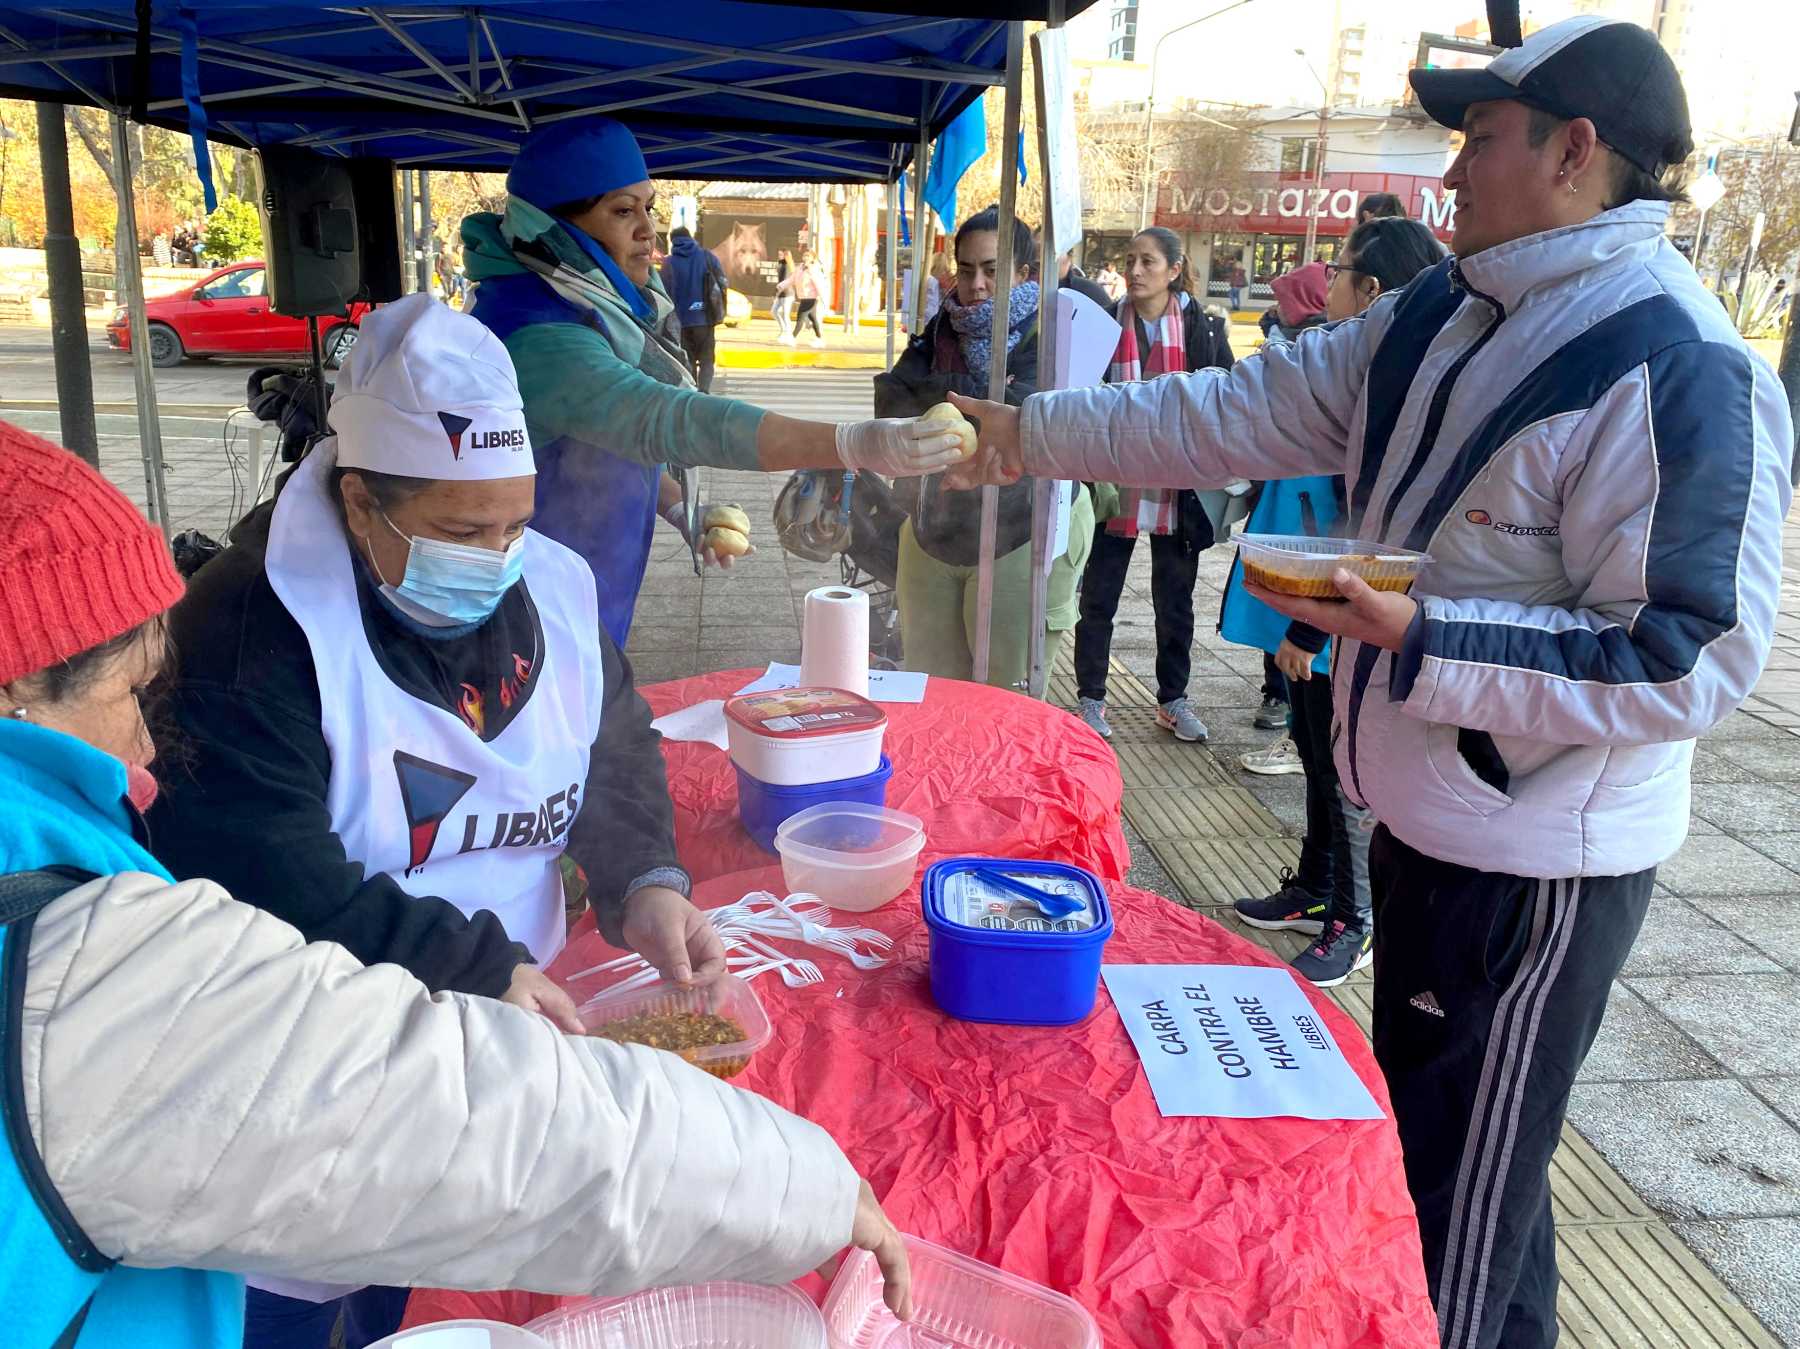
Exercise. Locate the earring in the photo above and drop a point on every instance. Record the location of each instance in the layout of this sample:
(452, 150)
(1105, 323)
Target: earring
(1573, 188)
(20, 714)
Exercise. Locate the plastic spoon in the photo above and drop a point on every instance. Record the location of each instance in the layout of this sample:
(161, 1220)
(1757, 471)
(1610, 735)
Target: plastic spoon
(1051, 906)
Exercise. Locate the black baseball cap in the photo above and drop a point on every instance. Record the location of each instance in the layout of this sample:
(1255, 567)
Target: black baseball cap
(1611, 72)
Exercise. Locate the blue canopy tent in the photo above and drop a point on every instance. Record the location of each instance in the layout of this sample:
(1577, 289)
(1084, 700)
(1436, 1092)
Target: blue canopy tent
(799, 91)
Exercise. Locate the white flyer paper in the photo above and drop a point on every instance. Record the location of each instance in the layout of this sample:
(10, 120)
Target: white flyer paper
(885, 686)
(1086, 337)
(1234, 1042)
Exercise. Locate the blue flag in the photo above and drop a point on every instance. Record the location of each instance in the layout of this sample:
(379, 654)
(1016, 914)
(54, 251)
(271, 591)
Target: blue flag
(964, 141)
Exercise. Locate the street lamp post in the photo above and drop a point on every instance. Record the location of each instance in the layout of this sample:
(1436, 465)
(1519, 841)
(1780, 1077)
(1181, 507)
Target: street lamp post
(1312, 214)
(1150, 106)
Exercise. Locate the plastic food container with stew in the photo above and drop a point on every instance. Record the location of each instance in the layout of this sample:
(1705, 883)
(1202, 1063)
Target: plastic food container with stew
(958, 1303)
(996, 956)
(700, 1316)
(797, 737)
(854, 857)
(1294, 564)
(727, 996)
(764, 807)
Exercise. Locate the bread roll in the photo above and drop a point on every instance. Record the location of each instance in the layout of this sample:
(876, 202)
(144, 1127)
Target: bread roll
(727, 542)
(727, 517)
(951, 416)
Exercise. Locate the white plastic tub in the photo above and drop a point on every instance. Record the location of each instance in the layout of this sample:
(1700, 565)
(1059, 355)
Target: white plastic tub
(704, 1316)
(798, 737)
(464, 1335)
(958, 1303)
(1299, 565)
(853, 856)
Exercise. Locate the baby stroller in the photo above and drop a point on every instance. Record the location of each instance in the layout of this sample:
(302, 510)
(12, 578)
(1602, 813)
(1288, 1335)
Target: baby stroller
(852, 517)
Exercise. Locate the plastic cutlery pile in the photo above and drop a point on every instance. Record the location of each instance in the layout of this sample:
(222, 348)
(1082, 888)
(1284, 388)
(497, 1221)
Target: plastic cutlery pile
(745, 929)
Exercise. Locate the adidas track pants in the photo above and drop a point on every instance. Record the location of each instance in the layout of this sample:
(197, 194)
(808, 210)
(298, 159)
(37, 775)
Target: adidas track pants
(1489, 990)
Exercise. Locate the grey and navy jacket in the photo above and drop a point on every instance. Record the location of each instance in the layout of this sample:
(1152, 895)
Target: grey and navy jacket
(1598, 466)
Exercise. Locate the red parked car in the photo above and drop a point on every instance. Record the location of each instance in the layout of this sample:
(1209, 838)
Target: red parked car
(228, 314)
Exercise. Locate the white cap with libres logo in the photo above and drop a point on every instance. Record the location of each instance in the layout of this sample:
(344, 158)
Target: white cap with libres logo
(430, 393)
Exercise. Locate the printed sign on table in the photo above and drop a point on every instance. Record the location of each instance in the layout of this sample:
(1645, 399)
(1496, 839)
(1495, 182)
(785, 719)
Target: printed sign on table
(1235, 1042)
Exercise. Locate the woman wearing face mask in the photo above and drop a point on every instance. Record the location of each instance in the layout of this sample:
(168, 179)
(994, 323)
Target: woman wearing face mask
(940, 543)
(193, 1089)
(1330, 894)
(565, 281)
(399, 711)
(1163, 330)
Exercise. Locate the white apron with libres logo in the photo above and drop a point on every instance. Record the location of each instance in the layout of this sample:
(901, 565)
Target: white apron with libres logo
(414, 792)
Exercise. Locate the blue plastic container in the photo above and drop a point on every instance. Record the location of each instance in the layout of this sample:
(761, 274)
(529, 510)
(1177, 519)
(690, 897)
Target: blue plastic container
(762, 806)
(995, 957)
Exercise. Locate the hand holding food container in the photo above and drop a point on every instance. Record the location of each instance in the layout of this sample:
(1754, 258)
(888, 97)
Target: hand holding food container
(1347, 587)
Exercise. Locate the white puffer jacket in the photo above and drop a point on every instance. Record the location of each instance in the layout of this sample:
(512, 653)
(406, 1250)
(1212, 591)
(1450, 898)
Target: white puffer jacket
(207, 1090)
(1598, 465)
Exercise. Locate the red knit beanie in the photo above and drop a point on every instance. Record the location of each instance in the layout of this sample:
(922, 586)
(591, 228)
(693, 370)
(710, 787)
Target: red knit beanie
(79, 565)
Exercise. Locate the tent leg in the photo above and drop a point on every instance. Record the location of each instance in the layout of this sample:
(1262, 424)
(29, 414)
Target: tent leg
(426, 237)
(131, 292)
(1044, 491)
(68, 314)
(409, 270)
(890, 270)
(1003, 278)
(921, 228)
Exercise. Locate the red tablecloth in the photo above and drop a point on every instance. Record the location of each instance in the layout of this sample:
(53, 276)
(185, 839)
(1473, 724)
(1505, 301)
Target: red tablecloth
(1040, 1150)
(989, 771)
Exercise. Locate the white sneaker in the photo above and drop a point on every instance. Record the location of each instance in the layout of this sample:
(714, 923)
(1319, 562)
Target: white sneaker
(786, 339)
(1281, 757)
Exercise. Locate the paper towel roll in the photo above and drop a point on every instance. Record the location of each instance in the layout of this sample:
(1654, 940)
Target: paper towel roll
(834, 641)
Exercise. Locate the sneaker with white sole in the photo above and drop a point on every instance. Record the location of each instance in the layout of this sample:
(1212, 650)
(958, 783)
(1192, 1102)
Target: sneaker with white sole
(1271, 716)
(1340, 951)
(1291, 908)
(1092, 712)
(1281, 757)
(1177, 715)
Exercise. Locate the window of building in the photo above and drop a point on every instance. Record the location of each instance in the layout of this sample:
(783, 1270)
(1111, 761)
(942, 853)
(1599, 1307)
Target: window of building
(1298, 154)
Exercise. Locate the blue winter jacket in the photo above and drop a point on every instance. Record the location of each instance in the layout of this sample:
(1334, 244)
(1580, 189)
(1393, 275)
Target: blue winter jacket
(1309, 506)
(684, 277)
(66, 807)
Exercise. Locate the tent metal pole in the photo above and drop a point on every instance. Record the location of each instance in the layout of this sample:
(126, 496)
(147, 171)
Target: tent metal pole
(1044, 491)
(891, 272)
(68, 316)
(131, 291)
(407, 272)
(921, 228)
(1003, 279)
(426, 237)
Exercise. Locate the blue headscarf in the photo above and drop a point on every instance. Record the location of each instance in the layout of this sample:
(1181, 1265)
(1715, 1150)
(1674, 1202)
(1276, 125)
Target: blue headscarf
(588, 157)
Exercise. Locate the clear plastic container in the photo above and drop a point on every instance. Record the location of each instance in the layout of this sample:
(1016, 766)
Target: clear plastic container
(727, 996)
(958, 1303)
(701, 1316)
(852, 856)
(1294, 564)
(465, 1335)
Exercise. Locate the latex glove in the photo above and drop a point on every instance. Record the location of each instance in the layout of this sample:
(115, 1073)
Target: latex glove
(900, 447)
(1378, 617)
(874, 1232)
(1292, 661)
(533, 990)
(666, 929)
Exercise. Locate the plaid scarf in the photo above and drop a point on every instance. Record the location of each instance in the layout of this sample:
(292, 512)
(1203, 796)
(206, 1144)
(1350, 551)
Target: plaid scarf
(1149, 510)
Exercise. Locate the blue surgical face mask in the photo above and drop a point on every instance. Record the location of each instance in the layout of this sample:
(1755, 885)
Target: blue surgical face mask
(452, 584)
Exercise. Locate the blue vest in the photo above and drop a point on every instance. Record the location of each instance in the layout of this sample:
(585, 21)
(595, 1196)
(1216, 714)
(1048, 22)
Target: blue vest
(588, 499)
(1286, 506)
(65, 808)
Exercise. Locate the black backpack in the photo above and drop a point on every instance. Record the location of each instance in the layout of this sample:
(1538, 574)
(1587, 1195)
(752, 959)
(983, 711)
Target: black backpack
(712, 291)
